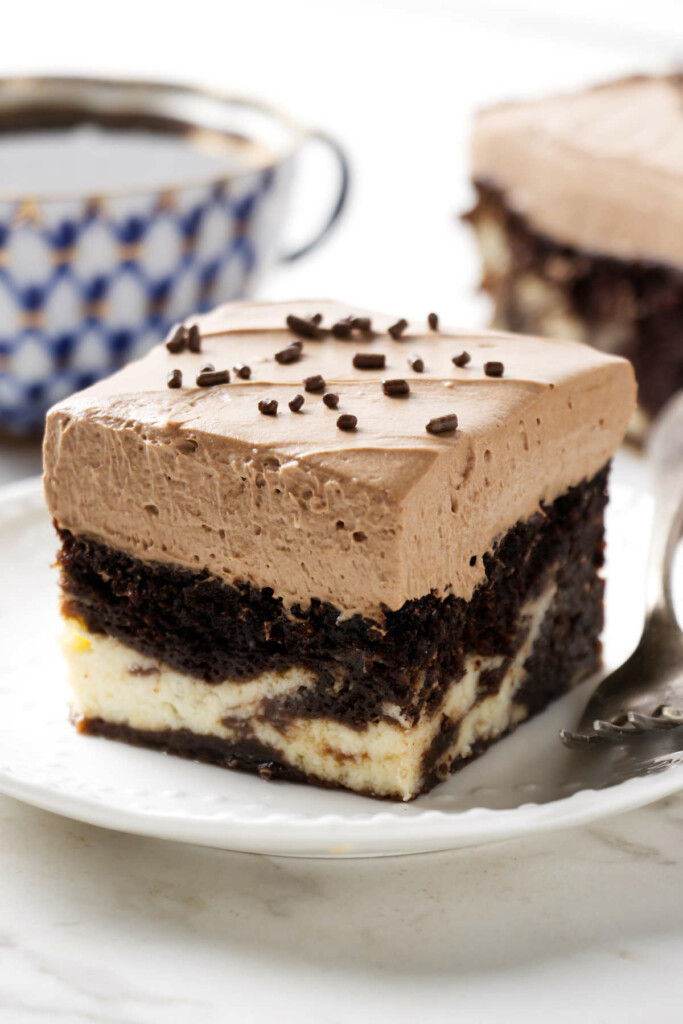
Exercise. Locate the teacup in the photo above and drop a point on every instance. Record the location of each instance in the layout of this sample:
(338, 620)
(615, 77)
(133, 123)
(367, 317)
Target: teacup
(125, 207)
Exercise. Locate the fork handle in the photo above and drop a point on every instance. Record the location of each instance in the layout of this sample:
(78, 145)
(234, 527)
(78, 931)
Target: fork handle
(666, 454)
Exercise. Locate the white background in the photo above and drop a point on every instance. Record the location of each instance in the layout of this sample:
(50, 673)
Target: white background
(584, 926)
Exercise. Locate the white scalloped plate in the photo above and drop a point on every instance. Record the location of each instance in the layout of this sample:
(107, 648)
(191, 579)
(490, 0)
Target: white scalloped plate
(512, 791)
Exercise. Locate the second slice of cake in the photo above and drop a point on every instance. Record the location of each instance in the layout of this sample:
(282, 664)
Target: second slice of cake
(579, 220)
(368, 554)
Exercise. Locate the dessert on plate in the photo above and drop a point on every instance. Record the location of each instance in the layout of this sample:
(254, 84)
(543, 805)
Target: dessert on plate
(579, 220)
(329, 545)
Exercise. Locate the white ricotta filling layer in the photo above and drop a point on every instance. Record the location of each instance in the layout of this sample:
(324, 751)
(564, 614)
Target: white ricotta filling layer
(112, 682)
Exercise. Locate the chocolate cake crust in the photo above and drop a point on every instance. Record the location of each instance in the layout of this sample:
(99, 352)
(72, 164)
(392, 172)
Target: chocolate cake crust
(248, 755)
(208, 630)
(633, 306)
(255, 758)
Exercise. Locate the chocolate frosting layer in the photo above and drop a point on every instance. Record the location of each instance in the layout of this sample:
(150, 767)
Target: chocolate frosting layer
(600, 169)
(362, 519)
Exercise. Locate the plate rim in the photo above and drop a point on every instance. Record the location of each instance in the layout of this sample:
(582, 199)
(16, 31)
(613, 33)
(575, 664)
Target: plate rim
(336, 836)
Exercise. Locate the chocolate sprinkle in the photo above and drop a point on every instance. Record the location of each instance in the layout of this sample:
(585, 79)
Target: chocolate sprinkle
(194, 339)
(268, 406)
(416, 364)
(317, 318)
(175, 379)
(211, 377)
(296, 403)
(331, 400)
(178, 340)
(207, 367)
(463, 359)
(396, 388)
(347, 422)
(433, 321)
(314, 384)
(493, 369)
(291, 354)
(442, 424)
(342, 329)
(369, 360)
(361, 323)
(242, 371)
(306, 328)
(397, 329)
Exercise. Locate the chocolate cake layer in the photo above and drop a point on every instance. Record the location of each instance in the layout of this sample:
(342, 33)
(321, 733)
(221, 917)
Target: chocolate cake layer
(543, 286)
(198, 625)
(561, 654)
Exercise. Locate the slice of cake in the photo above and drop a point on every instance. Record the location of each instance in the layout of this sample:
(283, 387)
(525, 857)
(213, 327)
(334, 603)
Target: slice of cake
(327, 545)
(579, 219)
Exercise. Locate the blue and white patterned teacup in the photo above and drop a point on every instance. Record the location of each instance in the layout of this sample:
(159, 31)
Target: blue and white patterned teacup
(92, 277)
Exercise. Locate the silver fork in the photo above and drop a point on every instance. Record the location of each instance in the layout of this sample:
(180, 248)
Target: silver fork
(645, 695)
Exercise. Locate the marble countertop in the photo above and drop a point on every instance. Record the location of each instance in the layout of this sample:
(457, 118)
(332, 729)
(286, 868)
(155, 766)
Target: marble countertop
(583, 925)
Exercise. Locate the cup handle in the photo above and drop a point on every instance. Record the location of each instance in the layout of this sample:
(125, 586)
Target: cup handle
(340, 202)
